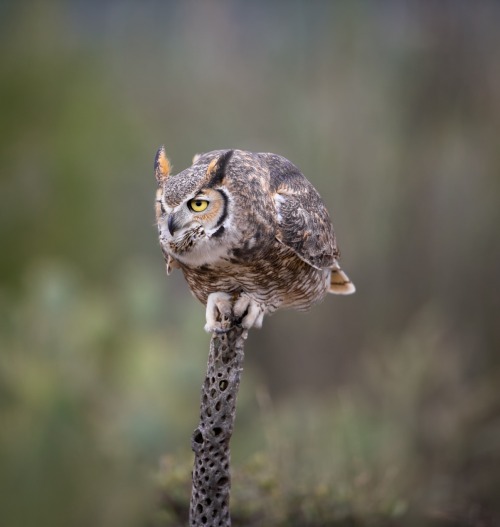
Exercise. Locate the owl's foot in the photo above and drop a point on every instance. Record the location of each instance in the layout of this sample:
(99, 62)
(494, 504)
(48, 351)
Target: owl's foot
(249, 311)
(246, 311)
(219, 306)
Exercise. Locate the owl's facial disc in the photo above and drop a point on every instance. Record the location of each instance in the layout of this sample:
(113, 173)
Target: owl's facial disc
(208, 208)
(192, 229)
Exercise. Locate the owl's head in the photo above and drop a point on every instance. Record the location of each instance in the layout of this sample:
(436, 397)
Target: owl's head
(192, 207)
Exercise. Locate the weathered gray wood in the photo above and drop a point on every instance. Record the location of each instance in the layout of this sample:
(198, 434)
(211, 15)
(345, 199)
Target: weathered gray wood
(210, 441)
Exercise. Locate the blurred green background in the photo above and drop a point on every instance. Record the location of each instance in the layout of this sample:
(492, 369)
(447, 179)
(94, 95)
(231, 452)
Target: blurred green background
(381, 407)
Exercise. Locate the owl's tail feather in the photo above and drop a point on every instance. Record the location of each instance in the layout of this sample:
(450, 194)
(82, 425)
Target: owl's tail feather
(340, 284)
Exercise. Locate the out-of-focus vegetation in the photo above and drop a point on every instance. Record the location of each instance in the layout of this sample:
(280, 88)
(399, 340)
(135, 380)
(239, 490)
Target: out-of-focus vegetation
(401, 445)
(378, 409)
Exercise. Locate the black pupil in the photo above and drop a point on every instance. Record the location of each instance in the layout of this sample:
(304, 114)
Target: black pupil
(198, 203)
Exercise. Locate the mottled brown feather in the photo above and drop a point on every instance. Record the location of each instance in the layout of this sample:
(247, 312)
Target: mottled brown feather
(273, 242)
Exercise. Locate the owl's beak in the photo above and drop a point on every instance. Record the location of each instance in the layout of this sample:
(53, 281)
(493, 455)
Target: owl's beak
(173, 224)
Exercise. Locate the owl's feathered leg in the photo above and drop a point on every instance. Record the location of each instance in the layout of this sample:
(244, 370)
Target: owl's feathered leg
(251, 311)
(219, 305)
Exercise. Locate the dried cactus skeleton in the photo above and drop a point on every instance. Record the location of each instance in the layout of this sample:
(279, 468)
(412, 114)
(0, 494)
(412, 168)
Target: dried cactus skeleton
(210, 441)
(251, 235)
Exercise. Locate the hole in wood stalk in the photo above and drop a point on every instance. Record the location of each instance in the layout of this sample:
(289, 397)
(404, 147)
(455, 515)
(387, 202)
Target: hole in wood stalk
(198, 436)
(222, 481)
(223, 384)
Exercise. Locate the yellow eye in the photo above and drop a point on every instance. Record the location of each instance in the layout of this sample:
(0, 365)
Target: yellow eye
(198, 205)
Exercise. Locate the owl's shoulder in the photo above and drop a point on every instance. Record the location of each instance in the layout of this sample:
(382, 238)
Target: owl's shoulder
(303, 221)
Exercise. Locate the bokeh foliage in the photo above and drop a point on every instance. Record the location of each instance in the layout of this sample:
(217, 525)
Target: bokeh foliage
(382, 407)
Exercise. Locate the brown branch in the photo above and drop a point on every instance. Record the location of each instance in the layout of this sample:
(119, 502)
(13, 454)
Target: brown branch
(210, 441)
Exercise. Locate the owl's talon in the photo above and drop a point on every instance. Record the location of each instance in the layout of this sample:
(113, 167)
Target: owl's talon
(250, 312)
(219, 306)
(216, 330)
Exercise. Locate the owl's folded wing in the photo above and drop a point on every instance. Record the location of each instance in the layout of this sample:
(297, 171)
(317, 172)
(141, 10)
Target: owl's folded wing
(305, 227)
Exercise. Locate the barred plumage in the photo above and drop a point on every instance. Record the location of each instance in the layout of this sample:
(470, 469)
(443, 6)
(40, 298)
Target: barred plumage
(249, 232)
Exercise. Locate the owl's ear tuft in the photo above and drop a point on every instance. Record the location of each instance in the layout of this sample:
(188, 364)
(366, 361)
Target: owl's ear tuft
(162, 165)
(217, 168)
(195, 158)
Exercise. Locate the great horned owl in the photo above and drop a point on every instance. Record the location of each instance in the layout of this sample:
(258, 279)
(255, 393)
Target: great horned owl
(250, 233)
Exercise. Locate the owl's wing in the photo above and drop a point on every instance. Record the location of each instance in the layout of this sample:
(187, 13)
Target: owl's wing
(304, 224)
